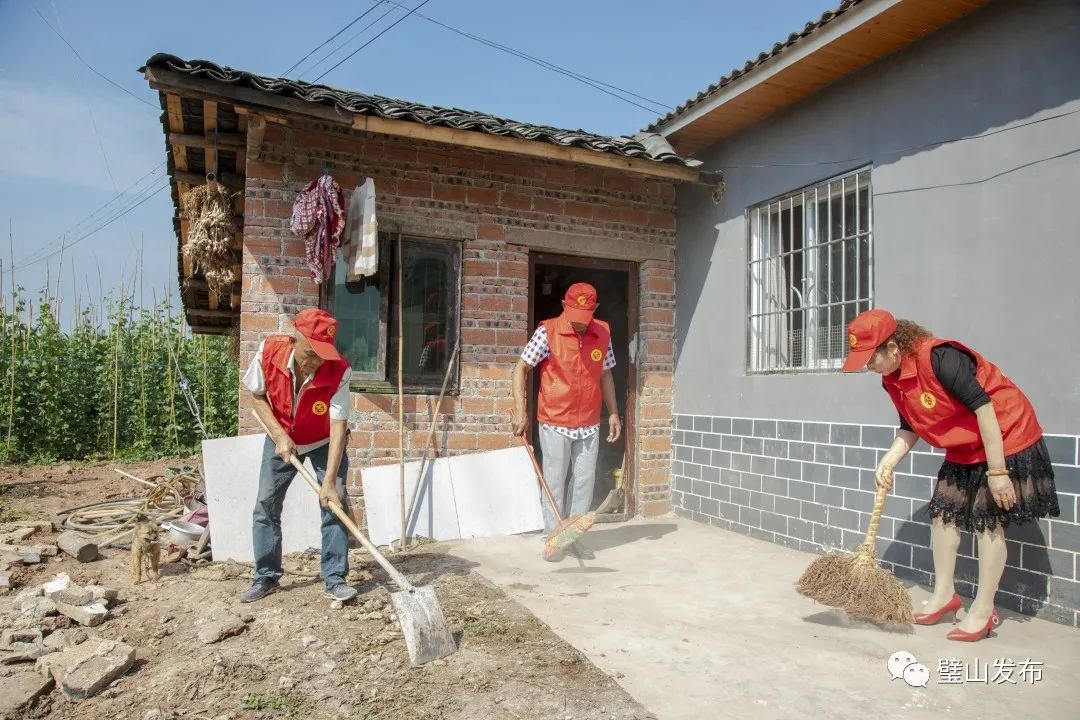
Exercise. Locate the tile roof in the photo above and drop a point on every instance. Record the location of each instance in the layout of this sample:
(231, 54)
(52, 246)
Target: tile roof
(645, 145)
(810, 28)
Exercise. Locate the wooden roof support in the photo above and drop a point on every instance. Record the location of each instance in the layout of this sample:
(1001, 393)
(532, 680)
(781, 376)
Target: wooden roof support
(196, 312)
(255, 133)
(229, 180)
(211, 158)
(168, 81)
(179, 153)
(227, 141)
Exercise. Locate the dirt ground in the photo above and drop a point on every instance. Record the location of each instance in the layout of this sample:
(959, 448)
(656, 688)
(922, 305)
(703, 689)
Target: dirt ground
(299, 657)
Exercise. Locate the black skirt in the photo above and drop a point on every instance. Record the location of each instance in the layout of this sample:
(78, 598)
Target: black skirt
(962, 496)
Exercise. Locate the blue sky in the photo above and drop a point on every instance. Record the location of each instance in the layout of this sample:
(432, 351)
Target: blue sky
(69, 140)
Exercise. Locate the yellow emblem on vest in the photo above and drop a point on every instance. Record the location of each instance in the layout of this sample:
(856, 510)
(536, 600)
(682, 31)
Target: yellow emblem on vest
(331, 331)
(597, 356)
(928, 400)
(319, 408)
(581, 299)
(852, 340)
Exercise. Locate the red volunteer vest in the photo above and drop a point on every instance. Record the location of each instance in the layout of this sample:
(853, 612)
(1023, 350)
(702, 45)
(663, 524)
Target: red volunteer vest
(941, 420)
(309, 422)
(570, 377)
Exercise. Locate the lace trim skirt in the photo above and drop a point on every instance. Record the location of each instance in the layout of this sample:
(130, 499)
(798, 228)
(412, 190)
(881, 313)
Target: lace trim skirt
(962, 496)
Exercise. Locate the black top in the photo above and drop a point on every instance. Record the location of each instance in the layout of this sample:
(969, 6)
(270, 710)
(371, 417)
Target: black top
(955, 370)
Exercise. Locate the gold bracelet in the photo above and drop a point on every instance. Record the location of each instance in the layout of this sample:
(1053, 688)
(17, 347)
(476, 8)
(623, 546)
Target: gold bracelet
(992, 472)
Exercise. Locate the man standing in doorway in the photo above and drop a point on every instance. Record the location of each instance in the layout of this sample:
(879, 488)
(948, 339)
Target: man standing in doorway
(575, 357)
(300, 390)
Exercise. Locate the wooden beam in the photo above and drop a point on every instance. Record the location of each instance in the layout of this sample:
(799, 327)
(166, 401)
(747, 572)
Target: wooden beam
(243, 111)
(229, 180)
(209, 129)
(168, 81)
(201, 284)
(222, 140)
(210, 329)
(212, 313)
(255, 133)
(241, 153)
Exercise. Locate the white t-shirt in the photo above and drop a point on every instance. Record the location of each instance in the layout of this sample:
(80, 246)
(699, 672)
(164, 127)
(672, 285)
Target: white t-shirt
(255, 382)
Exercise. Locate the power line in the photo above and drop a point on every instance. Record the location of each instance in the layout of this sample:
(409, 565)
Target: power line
(327, 41)
(91, 67)
(348, 40)
(90, 219)
(388, 29)
(116, 216)
(591, 82)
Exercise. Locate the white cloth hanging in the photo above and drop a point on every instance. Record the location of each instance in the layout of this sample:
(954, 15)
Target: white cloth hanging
(362, 233)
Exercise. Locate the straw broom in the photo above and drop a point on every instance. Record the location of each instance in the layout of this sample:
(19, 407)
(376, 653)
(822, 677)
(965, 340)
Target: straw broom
(856, 583)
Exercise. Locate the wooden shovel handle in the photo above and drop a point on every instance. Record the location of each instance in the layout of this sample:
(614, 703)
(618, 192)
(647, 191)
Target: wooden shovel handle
(540, 478)
(400, 580)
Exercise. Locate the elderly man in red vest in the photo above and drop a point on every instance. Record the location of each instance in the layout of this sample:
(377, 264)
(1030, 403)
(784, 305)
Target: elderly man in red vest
(300, 388)
(575, 357)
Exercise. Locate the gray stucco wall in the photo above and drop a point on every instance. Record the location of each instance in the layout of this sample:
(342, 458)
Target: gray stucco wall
(978, 240)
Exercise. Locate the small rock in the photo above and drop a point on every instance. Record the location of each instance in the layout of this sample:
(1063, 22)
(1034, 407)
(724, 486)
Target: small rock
(103, 594)
(88, 668)
(26, 594)
(61, 582)
(64, 639)
(30, 558)
(220, 624)
(308, 640)
(161, 634)
(286, 682)
(38, 608)
(88, 615)
(164, 619)
(327, 667)
(9, 638)
(72, 595)
(20, 689)
(337, 604)
(247, 617)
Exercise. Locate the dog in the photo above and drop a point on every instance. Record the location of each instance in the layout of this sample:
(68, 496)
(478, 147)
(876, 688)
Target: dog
(145, 549)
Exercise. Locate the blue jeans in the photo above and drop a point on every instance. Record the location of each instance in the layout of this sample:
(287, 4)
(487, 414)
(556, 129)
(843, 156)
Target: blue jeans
(275, 476)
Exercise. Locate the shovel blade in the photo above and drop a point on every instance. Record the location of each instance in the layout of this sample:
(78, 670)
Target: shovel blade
(427, 635)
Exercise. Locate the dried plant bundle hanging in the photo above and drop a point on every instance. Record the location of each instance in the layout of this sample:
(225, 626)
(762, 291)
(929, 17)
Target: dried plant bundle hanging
(209, 210)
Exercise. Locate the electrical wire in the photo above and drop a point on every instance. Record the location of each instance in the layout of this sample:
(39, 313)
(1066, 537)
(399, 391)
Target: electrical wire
(591, 82)
(327, 41)
(348, 40)
(94, 70)
(388, 29)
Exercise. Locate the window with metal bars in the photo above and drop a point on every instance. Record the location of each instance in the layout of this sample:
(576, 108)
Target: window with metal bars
(810, 271)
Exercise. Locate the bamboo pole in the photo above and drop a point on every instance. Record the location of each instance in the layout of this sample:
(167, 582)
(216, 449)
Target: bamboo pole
(14, 334)
(401, 391)
(116, 376)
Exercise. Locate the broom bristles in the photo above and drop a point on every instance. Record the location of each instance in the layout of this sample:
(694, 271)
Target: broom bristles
(859, 586)
(566, 533)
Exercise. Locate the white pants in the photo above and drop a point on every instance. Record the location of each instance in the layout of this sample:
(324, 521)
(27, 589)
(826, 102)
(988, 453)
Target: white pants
(565, 458)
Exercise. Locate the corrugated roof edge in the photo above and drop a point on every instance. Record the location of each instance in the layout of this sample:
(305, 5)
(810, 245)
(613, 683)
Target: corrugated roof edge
(810, 28)
(647, 145)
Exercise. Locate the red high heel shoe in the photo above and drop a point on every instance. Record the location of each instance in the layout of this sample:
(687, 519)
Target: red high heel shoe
(932, 618)
(959, 634)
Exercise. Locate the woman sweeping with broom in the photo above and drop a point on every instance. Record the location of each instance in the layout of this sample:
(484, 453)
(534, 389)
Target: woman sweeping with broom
(997, 470)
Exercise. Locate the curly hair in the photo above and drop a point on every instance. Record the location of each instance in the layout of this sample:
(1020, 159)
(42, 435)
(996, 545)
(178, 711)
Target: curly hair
(907, 333)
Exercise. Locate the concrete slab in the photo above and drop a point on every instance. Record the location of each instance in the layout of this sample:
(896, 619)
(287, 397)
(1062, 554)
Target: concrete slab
(698, 622)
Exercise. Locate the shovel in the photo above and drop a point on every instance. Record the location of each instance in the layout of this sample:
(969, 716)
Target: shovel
(427, 635)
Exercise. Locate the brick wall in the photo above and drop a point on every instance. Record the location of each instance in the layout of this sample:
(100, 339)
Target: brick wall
(811, 486)
(498, 206)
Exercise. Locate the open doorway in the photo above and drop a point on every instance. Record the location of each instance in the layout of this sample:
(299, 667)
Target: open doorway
(617, 292)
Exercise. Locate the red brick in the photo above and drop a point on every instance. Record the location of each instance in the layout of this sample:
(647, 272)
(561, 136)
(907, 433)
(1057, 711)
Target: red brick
(660, 285)
(634, 216)
(660, 316)
(547, 205)
(516, 201)
(265, 323)
(461, 441)
(270, 171)
(478, 406)
(349, 145)
(414, 188)
(497, 439)
(509, 269)
(479, 267)
(656, 507)
(489, 231)
(281, 285)
(398, 153)
(477, 336)
(449, 193)
(482, 196)
(579, 209)
(661, 221)
(308, 286)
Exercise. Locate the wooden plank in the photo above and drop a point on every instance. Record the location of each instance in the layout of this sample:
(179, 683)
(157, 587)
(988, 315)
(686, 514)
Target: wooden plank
(241, 153)
(185, 228)
(213, 313)
(168, 81)
(229, 180)
(210, 329)
(255, 133)
(209, 129)
(223, 140)
(176, 125)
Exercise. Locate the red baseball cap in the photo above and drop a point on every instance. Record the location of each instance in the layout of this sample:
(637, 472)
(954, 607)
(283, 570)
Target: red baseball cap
(579, 303)
(865, 333)
(319, 327)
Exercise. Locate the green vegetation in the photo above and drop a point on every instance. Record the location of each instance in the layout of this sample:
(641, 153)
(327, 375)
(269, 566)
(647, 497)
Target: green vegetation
(109, 387)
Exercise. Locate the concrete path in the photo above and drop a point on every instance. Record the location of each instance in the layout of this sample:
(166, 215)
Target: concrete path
(698, 622)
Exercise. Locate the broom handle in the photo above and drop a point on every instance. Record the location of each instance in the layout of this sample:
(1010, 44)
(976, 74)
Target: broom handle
(540, 477)
(431, 435)
(875, 517)
(400, 580)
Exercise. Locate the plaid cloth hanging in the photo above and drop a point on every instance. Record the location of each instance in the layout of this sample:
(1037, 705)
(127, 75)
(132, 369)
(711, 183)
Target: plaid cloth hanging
(318, 218)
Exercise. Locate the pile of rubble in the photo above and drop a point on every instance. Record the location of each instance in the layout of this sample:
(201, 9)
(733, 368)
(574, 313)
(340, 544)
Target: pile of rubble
(17, 549)
(45, 643)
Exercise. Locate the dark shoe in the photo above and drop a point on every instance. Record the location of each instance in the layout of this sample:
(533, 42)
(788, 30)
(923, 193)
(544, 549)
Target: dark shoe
(258, 591)
(341, 592)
